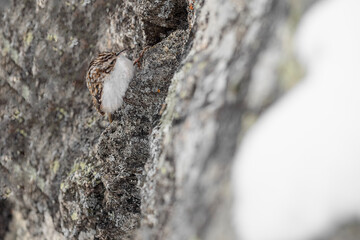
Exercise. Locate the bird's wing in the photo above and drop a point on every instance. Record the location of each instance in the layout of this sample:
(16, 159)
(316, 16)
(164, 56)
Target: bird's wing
(96, 92)
(94, 82)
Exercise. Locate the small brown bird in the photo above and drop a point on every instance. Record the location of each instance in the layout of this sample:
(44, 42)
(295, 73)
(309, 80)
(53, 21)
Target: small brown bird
(107, 79)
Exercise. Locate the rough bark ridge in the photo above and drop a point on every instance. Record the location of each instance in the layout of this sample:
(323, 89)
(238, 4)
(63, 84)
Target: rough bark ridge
(161, 169)
(187, 193)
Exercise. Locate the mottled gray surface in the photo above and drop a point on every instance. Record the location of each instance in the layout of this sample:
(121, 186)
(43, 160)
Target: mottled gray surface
(62, 164)
(202, 122)
(161, 170)
(4, 4)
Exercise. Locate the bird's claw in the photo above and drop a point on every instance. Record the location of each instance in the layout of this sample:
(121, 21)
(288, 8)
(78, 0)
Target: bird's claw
(138, 60)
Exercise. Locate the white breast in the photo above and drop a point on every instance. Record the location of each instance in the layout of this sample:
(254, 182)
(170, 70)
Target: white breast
(116, 84)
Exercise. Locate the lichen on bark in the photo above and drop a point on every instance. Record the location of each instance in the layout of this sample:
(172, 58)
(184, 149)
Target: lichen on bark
(68, 163)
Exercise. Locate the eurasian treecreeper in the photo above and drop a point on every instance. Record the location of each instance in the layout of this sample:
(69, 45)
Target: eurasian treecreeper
(108, 78)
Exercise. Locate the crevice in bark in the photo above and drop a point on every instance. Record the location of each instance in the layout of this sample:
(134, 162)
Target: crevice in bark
(5, 217)
(162, 18)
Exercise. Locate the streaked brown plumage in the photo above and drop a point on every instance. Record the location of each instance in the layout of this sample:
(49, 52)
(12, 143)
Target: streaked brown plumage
(99, 68)
(107, 79)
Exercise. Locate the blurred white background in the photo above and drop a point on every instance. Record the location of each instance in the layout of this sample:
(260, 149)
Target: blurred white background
(297, 174)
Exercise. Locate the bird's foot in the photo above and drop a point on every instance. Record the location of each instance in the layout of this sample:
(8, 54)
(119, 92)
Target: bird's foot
(138, 60)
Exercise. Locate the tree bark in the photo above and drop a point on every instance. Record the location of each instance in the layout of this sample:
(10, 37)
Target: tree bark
(161, 169)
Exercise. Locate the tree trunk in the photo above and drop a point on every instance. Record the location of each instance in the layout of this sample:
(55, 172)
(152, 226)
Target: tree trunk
(161, 169)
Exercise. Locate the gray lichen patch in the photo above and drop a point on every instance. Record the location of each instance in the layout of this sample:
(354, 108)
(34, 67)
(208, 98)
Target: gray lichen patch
(81, 197)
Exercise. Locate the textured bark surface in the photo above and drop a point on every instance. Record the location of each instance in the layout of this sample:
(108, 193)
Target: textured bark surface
(66, 167)
(162, 169)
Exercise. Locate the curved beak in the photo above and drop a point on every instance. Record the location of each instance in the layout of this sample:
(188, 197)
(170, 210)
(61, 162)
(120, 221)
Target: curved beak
(118, 53)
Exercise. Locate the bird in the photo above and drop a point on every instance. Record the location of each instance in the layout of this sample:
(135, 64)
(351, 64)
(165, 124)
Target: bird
(107, 79)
